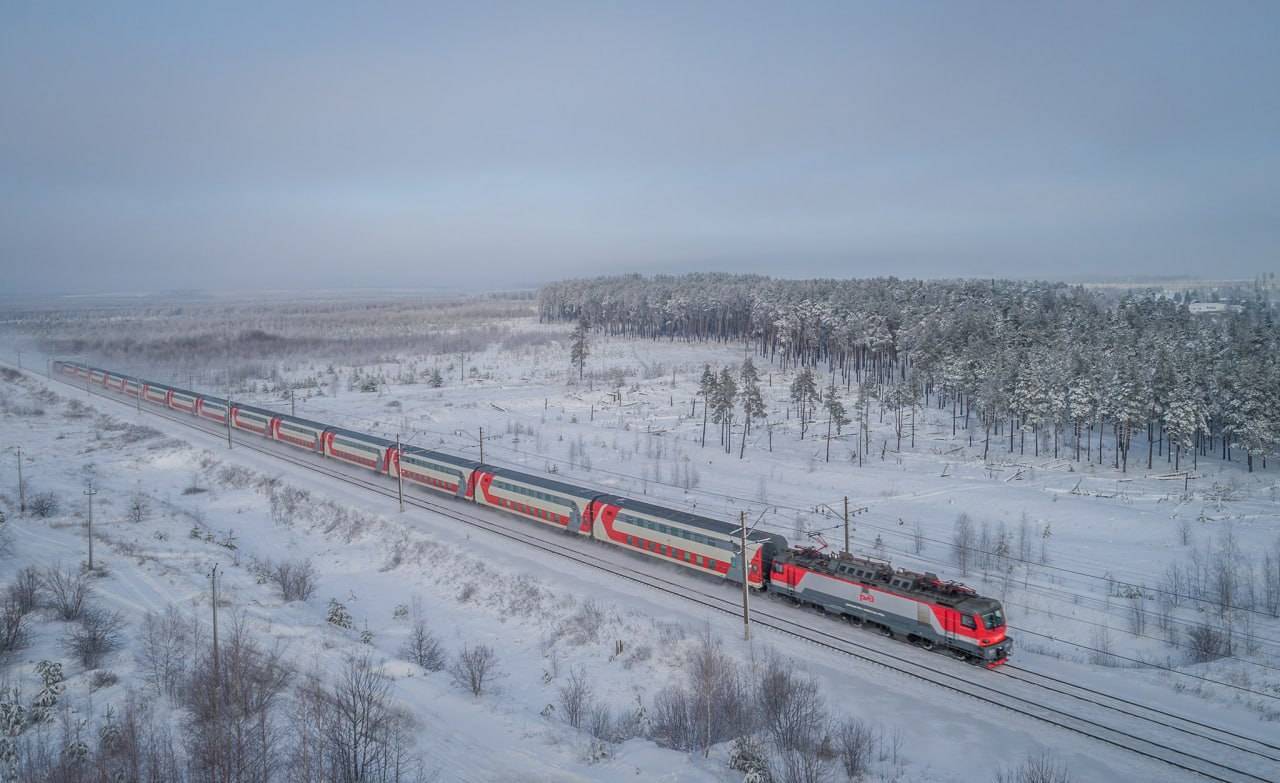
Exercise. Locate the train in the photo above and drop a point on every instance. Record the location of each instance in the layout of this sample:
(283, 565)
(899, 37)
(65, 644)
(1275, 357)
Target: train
(918, 608)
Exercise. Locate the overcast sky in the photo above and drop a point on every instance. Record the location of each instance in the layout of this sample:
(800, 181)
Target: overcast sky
(222, 145)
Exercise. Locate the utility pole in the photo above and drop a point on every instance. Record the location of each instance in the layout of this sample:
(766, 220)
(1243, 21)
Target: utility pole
(746, 591)
(228, 417)
(399, 474)
(22, 487)
(293, 408)
(213, 592)
(846, 524)
(90, 492)
(482, 444)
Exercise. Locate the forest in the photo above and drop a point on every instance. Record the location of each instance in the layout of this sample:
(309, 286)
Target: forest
(1062, 363)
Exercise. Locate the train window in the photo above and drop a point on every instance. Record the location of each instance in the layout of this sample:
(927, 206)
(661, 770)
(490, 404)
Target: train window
(967, 621)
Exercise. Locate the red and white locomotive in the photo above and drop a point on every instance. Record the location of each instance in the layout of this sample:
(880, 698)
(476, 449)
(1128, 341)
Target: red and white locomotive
(919, 608)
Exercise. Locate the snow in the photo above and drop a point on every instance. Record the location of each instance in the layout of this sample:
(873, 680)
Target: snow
(527, 604)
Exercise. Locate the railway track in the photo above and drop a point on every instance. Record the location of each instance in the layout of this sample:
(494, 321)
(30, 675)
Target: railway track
(1262, 757)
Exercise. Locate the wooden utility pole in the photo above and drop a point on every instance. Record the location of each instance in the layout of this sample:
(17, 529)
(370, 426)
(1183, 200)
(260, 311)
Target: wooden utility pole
(746, 591)
(293, 408)
(90, 492)
(228, 418)
(22, 487)
(482, 445)
(399, 474)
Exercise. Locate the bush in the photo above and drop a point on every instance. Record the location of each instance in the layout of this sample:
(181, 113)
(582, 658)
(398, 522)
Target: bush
(1207, 643)
(25, 590)
(474, 668)
(102, 679)
(424, 649)
(96, 636)
(1038, 769)
(139, 508)
(43, 504)
(68, 590)
(13, 626)
(295, 578)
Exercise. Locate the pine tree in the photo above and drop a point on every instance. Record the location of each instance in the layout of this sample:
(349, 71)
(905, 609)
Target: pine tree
(835, 413)
(724, 399)
(580, 348)
(752, 402)
(706, 388)
(803, 393)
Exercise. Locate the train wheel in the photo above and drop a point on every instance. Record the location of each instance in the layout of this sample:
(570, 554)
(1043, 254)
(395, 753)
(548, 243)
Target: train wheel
(959, 655)
(886, 631)
(927, 644)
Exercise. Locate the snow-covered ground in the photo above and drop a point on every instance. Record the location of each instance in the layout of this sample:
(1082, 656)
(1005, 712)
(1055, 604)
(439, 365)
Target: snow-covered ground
(633, 428)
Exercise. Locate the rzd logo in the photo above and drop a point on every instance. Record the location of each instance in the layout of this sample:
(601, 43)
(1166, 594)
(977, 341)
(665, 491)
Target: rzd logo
(868, 597)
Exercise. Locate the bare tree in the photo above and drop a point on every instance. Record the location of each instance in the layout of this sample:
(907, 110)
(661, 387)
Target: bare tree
(474, 668)
(164, 649)
(575, 697)
(855, 745)
(790, 705)
(917, 537)
(233, 704)
(68, 591)
(360, 702)
(25, 590)
(13, 625)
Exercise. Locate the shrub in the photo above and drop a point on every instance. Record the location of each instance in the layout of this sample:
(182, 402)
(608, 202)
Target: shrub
(1207, 643)
(43, 504)
(68, 590)
(1037, 769)
(102, 679)
(96, 636)
(296, 579)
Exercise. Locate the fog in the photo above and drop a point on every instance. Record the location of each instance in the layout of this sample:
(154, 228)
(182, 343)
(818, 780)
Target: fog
(478, 146)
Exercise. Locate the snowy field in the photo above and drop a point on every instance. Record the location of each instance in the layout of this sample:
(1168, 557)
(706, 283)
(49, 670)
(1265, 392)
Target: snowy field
(1087, 560)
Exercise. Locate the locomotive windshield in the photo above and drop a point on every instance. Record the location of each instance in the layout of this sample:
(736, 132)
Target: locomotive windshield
(993, 620)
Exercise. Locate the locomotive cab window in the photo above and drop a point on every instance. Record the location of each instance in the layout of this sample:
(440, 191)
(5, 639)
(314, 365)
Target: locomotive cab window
(993, 620)
(967, 621)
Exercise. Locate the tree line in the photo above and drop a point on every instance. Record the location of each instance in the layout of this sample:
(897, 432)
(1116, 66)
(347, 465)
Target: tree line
(1011, 358)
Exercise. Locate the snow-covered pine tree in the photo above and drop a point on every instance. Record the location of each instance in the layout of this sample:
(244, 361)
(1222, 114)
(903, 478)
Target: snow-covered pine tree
(752, 402)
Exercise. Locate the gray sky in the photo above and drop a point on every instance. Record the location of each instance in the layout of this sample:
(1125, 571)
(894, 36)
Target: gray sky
(224, 145)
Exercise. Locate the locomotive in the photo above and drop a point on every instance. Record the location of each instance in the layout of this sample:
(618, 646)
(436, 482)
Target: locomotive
(916, 607)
